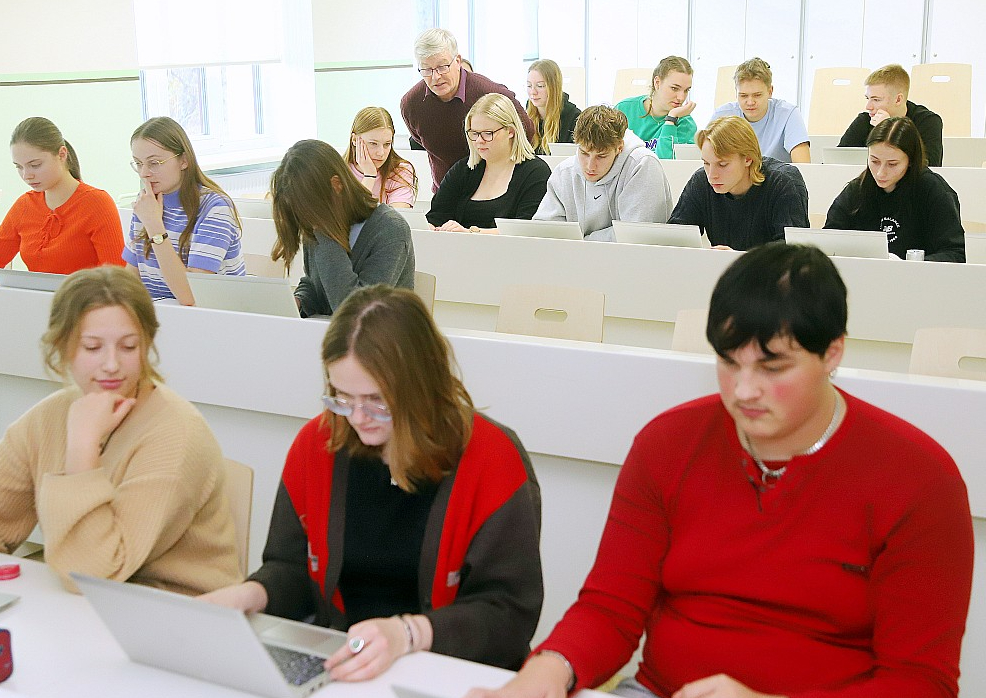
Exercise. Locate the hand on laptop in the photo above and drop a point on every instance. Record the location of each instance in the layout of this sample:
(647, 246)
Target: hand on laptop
(543, 676)
(383, 641)
(249, 597)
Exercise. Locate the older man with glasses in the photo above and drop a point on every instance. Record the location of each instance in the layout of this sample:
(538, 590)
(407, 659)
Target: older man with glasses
(434, 109)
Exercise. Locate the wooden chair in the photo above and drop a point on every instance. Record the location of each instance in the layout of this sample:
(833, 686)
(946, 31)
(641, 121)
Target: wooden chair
(689, 331)
(239, 492)
(836, 99)
(946, 89)
(631, 82)
(951, 352)
(561, 312)
(725, 87)
(573, 82)
(424, 286)
(975, 245)
(263, 265)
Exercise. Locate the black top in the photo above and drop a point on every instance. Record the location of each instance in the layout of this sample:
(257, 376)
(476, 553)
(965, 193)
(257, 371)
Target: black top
(566, 123)
(755, 218)
(385, 528)
(920, 215)
(929, 126)
(452, 201)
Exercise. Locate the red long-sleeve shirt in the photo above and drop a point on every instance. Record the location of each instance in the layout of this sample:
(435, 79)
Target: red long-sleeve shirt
(850, 577)
(83, 232)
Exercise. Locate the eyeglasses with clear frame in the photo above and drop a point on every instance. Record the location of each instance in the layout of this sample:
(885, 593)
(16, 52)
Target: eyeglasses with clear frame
(439, 69)
(153, 166)
(485, 136)
(344, 407)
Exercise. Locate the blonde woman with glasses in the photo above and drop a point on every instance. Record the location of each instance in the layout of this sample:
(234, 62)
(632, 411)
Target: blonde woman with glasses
(548, 106)
(501, 178)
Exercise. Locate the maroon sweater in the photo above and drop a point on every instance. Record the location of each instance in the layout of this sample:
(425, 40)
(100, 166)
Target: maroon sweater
(438, 125)
(849, 578)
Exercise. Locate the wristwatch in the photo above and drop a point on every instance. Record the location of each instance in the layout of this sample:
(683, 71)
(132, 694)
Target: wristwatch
(158, 239)
(673, 120)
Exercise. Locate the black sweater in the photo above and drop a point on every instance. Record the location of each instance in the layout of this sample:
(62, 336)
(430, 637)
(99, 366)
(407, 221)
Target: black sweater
(566, 123)
(929, 126)
(920, 215)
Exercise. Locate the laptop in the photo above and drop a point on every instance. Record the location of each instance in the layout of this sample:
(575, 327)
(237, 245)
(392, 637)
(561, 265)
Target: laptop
(245, 294)
(416, 219)
(842, 243)
(844, 156)
(259, 654)
(670, 234)
(30, 280)
(560, 230)
(7, 600)
(687, 151)
(565, 150)
(975, 248)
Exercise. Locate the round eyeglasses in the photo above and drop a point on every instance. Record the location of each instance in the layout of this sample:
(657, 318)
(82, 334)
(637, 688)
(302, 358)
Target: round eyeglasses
(344, 407)
(153, 165)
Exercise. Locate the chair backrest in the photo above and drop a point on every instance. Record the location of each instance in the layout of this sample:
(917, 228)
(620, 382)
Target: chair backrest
(239, 493)
(725, 87)
(561, 312)
(573, 82)
(946, 89)
(975, 245)
(941, 351)
(263, 265)
(689, 331)
(630, 82)
(836, 99)
(424, 286)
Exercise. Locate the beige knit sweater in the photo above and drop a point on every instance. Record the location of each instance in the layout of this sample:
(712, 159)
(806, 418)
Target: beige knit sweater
(154, 511)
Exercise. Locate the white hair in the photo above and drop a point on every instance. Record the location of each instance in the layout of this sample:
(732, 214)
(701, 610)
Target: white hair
(432, 42)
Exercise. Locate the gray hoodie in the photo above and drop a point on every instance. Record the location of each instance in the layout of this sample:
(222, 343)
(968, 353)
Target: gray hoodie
(634, 189)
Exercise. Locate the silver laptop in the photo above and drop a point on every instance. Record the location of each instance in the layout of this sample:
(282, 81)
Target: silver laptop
(30, 280)
(565, 150)
(245, 294)
(7, 600)
(416, 219)
(561, 230)
(975, 248)
(844, 156)
(181, 634)
(670, 234)
(687, 151)
(842, 243)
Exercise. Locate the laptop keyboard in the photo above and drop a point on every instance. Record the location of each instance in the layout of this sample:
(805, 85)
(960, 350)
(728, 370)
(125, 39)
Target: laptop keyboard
(298, 668)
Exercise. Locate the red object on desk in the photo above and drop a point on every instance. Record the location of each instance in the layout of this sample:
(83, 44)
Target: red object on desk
(10, 571)
(6, 658)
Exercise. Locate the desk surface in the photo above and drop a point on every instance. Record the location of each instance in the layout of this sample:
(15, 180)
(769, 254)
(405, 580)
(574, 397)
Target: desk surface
(61, 648)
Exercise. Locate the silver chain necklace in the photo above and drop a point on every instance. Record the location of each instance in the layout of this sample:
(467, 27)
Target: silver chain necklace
(775, 473)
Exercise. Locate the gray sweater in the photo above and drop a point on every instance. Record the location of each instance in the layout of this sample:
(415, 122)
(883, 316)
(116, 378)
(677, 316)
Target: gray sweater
(383, 253)
(634, 189)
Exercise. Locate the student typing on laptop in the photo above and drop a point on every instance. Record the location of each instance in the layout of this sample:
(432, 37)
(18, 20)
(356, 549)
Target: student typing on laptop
(123, 475)
(403, 516)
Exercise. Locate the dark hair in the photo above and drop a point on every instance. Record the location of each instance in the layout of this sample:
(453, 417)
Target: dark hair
(390, 332)
(778, 290)
(39, 132)
(304, 198)
(901, 133)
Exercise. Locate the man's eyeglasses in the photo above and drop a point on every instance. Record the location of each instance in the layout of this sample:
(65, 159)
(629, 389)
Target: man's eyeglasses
(344, 407)
(485, 136)
(153, 166)
(441, 70)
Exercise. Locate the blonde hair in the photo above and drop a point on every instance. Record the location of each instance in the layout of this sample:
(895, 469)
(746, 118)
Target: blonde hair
(91, 289)
(394, 167)
(390, 332)
(552, 108)
(432, 42)
(169, 134)
(893, 76)
(304, 198)
(500, 109)
(600, 127)
(733, 135)
(671, 64)
(753, 69)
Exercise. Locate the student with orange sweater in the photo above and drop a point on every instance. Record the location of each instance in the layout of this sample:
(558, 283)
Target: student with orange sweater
(62, 224)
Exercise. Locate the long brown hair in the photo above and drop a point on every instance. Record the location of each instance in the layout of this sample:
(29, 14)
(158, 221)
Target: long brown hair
(37, 131)
(314, 189)
(90, 289)
(552, 109)
(390, 332)
(169, 134)
(668, 65)
(369, 119)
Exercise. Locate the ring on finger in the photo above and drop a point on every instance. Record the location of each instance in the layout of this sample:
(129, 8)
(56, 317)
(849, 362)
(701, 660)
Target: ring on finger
(356, 644)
